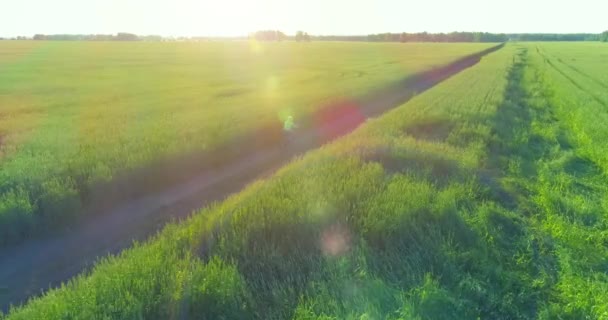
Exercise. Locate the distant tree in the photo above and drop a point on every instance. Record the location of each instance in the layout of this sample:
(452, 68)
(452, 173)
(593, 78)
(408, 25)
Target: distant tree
(477, 37)
(554, 37)
(269, 35)
(424, 37)
(123, 36)
(302, 36)
(100, 37)
(152, 38)
(604, 36)
(39, 37)
(280, 36)
(439, 37)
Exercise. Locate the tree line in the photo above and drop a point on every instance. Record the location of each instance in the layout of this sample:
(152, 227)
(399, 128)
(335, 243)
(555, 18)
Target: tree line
(555, 37)
(269, 35)
(121, 36)
(276, 35)
(439, 37)
(464, 37)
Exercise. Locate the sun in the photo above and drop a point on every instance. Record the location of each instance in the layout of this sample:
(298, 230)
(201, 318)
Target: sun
(228, 17)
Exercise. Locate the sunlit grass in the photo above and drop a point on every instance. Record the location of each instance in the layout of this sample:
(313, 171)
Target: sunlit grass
(75, 113)
(482, 198)
(383, 223)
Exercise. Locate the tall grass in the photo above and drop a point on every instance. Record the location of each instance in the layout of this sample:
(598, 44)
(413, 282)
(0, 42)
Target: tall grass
(483, 198)
(77, 115)
(571, 187)
(389, 222)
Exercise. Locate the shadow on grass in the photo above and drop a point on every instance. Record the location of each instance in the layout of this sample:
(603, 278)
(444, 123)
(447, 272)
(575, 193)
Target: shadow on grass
(474, 260)
(478, 248)
(432, 129)
(420, 163)
(580, 167)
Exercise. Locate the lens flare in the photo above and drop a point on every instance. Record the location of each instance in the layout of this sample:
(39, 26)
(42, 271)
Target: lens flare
(335, 240)
(338, 118)
(255, 46)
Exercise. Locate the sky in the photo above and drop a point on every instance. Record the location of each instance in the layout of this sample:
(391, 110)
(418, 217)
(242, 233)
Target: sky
(335, 17)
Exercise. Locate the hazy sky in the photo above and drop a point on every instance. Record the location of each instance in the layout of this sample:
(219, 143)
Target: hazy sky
(239, 17)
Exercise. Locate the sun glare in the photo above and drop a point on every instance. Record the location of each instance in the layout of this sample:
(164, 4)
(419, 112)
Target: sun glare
(230, 18)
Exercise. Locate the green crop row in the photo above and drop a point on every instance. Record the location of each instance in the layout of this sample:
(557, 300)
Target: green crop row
(570, 190)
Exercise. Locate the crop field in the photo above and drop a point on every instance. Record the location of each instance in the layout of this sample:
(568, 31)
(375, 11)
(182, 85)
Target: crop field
(482, 198)
(75, 114)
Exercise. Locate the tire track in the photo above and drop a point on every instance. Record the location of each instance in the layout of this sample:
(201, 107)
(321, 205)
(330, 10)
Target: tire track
(577, 70)
(571, 80)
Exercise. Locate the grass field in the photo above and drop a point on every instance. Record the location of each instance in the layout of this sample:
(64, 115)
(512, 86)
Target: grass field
(76, 114)
(330, 224)
(482, 198)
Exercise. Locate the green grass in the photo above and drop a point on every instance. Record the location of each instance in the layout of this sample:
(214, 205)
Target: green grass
(390, 222)
(571, 190)
(482, 198)
(76, 114)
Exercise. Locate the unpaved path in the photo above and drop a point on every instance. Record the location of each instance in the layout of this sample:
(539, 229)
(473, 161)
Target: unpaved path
(31, 268)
